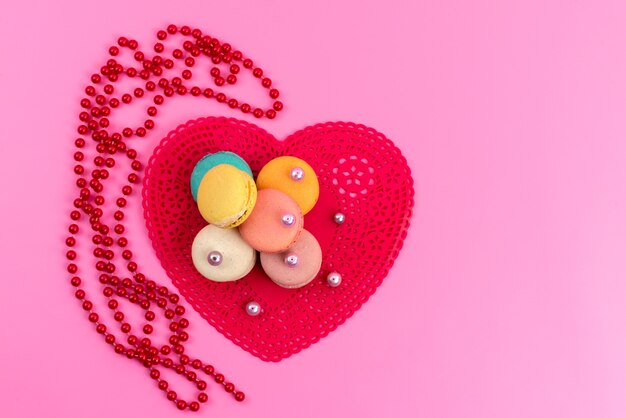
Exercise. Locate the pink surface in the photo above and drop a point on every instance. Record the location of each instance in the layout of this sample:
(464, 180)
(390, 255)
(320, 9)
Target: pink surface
(507, 300)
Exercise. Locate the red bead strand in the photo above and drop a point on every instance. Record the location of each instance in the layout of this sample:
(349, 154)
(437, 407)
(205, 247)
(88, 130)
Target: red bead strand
(116, 267)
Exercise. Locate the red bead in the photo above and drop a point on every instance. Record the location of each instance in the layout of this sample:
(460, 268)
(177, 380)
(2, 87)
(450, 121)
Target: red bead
(171, 395)
(203, 397)
(132, 44)
(258, 113)
(147, 329)
(231, 79)
(247, 63)
(229, 387)
(245, 108)
(219, 81)
(266, 82)
(240, 396)
(274, 93)
(194, 406)
(219, 378)
(257, 72)
(181, 404)
(122, 41)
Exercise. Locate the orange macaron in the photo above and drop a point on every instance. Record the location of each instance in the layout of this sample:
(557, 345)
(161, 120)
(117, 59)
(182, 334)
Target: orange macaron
(292, 176)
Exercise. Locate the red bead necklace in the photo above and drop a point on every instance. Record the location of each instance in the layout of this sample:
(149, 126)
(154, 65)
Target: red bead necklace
(117, 272)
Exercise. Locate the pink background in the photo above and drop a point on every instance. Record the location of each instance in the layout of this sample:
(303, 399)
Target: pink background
(508, 298)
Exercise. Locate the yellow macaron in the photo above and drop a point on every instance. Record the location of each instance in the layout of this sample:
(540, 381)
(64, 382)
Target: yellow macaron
(293, 176)
(226, 196)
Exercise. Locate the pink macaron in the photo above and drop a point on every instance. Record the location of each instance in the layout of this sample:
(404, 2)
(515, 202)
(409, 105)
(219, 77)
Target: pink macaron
(274, 224)
(297, 266)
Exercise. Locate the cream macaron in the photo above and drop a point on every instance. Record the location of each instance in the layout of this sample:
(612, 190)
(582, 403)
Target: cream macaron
(221, 255)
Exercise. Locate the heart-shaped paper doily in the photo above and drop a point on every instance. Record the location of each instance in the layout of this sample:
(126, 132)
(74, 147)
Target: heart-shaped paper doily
(361, 174)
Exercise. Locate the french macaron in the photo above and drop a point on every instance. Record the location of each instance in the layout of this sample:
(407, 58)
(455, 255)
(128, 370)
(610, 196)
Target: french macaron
(221, 255)
(211, 160)
(226, 196)
(293, 176)
(275, 222)
(297, 266)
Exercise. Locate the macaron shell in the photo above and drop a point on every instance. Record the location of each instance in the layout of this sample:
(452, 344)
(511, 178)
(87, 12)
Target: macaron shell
(211, 160)
(226, 196)
(309, 264)
(238, 257)
(276, 174)
(264, 229)
(251, 202)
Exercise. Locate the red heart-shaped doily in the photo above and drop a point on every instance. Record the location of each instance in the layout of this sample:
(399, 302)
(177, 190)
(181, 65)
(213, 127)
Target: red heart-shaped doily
(361, 173)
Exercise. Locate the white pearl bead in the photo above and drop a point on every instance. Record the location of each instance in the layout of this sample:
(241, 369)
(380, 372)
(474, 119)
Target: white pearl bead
(339, 218)
(253, 308)
(297, 173)
(215, 258)
(333, 279)
(289, 219)
(291, 260)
